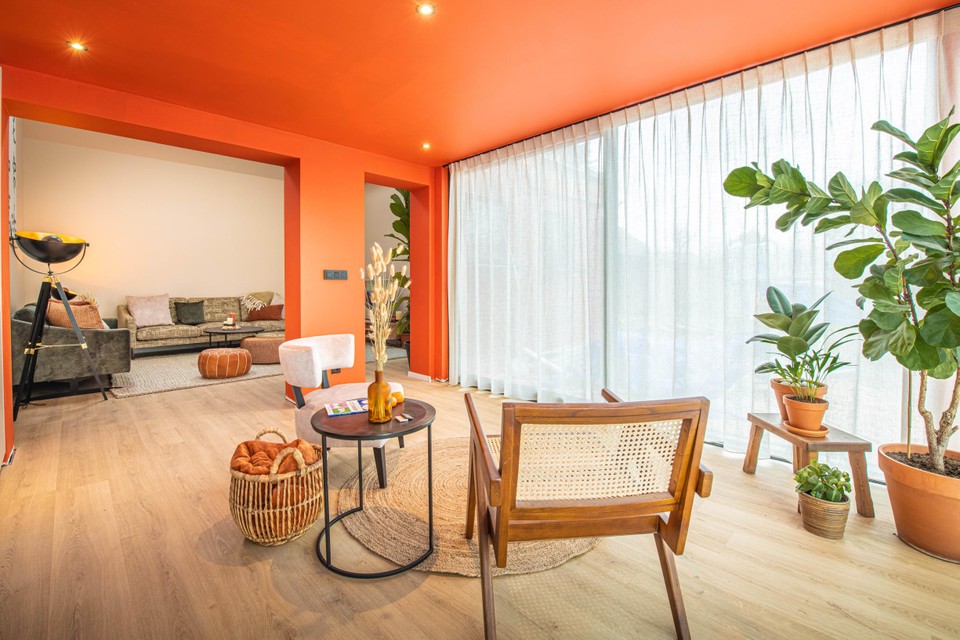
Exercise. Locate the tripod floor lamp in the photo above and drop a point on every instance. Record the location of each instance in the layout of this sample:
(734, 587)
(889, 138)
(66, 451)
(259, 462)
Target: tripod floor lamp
(51, 249)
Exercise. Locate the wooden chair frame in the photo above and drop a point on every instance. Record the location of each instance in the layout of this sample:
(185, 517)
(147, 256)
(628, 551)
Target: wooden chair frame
(492, 492)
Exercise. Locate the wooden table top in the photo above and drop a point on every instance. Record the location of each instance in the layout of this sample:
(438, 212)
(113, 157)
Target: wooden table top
(835, 440)
(357, 427)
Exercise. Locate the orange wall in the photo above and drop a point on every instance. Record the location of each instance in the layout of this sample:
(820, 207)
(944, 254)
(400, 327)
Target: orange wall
(323, 206)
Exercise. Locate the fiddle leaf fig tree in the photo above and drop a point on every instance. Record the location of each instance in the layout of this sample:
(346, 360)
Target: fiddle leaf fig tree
(906, 264)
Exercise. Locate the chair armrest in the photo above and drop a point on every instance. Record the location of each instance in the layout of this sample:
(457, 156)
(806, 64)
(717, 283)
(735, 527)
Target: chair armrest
(610, 396)
(487, 466)
(125, 320)
(704, 482)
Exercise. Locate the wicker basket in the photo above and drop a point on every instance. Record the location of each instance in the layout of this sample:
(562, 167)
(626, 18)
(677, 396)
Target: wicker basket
(276, 508)
(823, 518)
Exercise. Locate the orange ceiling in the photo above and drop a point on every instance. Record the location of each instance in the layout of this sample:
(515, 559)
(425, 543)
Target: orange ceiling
(377, 76)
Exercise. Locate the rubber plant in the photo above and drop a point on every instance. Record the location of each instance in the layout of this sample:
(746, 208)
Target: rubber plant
(906, 265)
(795, 326)
(400, 208)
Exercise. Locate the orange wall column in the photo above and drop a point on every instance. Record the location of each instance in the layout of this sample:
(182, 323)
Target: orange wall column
(5, 379)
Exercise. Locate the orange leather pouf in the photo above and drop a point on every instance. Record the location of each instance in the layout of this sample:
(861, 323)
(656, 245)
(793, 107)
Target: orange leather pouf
(263, 350)
(224, 363)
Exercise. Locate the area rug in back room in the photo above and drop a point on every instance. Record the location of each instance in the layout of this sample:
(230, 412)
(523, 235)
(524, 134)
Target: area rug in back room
(155, 374)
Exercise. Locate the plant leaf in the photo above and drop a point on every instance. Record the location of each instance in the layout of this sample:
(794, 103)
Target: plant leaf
(902, 339)
(842, 191)
(934, 142)
(851, 263)
(952, 300)
(899, 134)
(792, 346)
(844, 243)
(775, 320)
(941, 328)
(914, 223)
(825, 224)
(742, 182)
(915, 197)
(779, 302)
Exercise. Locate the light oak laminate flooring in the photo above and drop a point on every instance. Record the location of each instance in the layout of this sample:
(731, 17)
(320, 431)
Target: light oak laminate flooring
(114, 523)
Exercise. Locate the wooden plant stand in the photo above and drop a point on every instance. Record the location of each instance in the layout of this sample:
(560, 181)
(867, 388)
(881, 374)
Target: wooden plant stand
(806, 449)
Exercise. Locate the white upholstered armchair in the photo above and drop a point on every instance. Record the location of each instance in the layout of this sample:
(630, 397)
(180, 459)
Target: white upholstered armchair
(305, 363)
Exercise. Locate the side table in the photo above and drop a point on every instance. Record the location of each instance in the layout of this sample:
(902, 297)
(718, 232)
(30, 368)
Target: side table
(358, 428)
(806, 449)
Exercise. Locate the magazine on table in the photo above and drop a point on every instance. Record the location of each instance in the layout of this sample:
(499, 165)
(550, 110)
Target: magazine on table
(347, 408)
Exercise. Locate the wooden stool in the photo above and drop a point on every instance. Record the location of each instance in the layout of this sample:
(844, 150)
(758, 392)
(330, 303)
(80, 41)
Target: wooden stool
(263, 349)
(806, 449)
(224, 363)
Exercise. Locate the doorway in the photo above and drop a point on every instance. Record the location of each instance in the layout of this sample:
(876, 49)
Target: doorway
(387, 222)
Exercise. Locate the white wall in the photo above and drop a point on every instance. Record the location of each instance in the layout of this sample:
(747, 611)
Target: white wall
(158, 219)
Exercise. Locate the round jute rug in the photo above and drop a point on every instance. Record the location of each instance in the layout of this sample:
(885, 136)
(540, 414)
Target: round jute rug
(393, 523)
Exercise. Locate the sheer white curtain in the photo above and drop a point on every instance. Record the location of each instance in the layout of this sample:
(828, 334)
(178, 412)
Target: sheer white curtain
(608, 253)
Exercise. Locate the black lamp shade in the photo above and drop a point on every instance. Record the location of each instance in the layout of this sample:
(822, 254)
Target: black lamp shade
(49, 247)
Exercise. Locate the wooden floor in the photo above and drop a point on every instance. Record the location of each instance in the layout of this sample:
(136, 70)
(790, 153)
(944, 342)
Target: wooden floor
(114, 523)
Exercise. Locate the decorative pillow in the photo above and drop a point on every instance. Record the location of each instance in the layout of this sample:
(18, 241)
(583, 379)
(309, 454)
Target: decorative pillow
(257, 300)
(272, 312)
(150, 311)
(278, 299)
(189, 312)
(86, 313)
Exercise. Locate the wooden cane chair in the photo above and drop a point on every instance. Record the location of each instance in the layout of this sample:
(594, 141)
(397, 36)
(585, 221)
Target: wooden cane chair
(587, 470)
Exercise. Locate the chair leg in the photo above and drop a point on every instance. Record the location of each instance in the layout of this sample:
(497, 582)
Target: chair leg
(380, 459)
(471, 498)
(486, 574)
(672, 580)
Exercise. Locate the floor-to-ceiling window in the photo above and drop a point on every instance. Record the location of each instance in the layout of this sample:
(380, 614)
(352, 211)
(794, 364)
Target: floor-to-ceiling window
(608, 254)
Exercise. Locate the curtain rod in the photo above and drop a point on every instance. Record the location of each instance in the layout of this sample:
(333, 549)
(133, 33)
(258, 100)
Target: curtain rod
(717, 79)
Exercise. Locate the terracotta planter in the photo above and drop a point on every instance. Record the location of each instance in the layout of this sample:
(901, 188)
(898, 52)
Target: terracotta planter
(805, 415)
(926, 506)
(824, 518)
(780, 390)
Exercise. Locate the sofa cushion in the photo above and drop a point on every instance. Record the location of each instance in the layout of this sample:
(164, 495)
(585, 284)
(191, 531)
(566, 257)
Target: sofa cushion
(150, 311)
(168, 331)
(217, 309)
(189, 312)
(270, 312)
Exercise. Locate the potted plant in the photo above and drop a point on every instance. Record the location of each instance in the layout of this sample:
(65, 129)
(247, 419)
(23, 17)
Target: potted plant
(400, 208)
(906, 266)
(824, 505)
(796, 333)
(806, 376)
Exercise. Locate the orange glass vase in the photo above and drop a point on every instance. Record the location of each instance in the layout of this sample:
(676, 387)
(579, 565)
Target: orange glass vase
(379, 400)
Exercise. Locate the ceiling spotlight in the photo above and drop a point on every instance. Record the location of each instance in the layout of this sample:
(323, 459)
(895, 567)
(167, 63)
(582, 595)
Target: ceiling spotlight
(425, 146)
(426, 9)
(76, 46)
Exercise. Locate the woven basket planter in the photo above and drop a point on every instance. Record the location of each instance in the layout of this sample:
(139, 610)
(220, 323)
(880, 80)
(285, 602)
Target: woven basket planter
(276, 508)
(823, 518)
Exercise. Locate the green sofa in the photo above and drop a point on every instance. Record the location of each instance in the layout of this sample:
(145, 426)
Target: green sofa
(109, 348)
(177, 336)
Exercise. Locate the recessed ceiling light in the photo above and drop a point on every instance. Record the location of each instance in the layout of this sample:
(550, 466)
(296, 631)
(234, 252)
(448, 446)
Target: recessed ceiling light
(425, 146)
(426, 9)
(76, 46)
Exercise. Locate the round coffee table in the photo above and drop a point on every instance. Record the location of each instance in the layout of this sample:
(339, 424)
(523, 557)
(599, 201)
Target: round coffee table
(227, 333)
(358, 428)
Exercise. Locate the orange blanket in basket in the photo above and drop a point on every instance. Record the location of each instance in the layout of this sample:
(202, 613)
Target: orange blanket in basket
(255, 457)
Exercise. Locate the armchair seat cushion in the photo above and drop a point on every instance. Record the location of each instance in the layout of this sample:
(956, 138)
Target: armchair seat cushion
(315, 401)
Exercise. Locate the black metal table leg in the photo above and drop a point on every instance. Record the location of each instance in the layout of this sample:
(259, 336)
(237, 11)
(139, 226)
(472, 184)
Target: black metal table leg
(325, 558)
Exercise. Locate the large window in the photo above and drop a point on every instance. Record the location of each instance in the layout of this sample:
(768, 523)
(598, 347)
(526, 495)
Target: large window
(607, 254)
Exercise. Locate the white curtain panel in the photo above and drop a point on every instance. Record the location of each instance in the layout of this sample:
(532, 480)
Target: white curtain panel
(608, 254)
